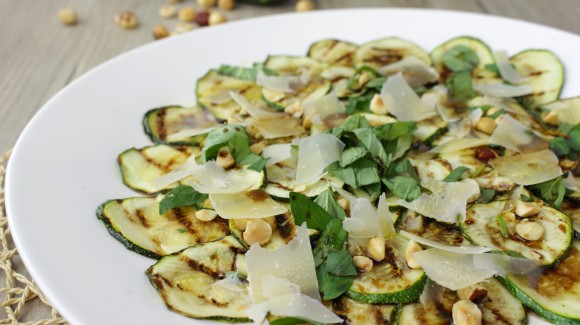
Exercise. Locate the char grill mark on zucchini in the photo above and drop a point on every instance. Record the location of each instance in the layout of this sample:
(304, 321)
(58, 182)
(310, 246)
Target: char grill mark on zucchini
(357, 313)
(482, 228)
(333, 52)
(137, 224)
(557, 292)
(389, 281)
(184, 281)
(293, 65)
(142, 167)
(499, 306)
(212, 91)
(545, 74)
(386, 51)
(437, 231)
(572, 210)
(161, 123)
(437, 314)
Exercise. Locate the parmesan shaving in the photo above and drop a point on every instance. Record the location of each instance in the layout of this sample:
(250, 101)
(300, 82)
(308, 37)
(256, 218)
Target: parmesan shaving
(403, 102)
(572, 183)
(513, 135)
(322, 107)
(459, 144)
(529, 168)
(283, 126)
(188, 133)
(454, 249)
(507, 71)
(252, 204)
(566, 110)
(277, 153)
(315, 153)
(212, 178)
(446, 203)
(286, 84)
(451, 270)
(415, 71)
(177, 174)
(462, 128)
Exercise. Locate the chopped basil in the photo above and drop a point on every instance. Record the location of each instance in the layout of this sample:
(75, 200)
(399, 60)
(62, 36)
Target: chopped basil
(502, 227)
(460, 58)
(238, 143)
(181, 196)
(559, 146)
(403, 187)
(340, 263)
(460, 86)
(327, 202)
(551, 191)
(245, 73)
(456, 174)
(359, 173)
(351, 155)
(181, 230)
(486, 195)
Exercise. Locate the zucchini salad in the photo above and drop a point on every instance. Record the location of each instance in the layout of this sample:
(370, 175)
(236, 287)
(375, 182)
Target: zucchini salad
(363, 184)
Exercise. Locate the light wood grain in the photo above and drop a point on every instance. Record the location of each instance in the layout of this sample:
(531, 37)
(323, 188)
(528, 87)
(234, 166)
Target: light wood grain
(39, 56)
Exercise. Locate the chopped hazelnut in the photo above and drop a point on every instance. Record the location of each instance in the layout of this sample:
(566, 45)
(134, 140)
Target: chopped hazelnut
(376, 248)
(257, 231)
(529, 230)
(224, 159)
(126, 19)
(466, 312)
(363, 263)
(216, 18)
(67, 16)
(205, 215)
(551, 118)
(377, 106)
(160, 31)
(527, 209)
(412, 247)
(485, 125)
(187, 14)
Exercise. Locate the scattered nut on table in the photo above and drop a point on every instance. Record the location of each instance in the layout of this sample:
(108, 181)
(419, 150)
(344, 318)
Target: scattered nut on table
(160, 31)
(202, 18)
(187, 14)
(167, 11)
(304, 5)
(67, 16)
(174, 1)
(126, 19)
(183, 27)
(206, 4)
(226, 4)
(216, 17)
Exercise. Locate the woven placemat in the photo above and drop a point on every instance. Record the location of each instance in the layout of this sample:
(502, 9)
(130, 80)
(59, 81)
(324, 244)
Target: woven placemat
(21, 300)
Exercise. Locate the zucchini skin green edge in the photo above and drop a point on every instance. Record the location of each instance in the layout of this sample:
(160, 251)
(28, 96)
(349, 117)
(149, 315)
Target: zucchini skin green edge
(404, 296)
(534, 306)
(117, 235)
(216, 318)
(149, 132)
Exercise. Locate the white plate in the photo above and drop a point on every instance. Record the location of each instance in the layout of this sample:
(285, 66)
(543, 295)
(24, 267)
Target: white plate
(64, 164)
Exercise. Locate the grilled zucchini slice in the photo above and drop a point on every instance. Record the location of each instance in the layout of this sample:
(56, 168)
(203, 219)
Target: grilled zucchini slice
(354, 312)
(389, 281)
(137, 224)
(386, 51)
(161, 123)
(439, 314)
(572, 210)
(316, 88)
(184, 281)
(499, 306)
(282, 233)
(545, 74)
(142, 167)
(284, 65)
(212, 91)
(556, 295)
(333, 52)
(482, 228)
(479, 74)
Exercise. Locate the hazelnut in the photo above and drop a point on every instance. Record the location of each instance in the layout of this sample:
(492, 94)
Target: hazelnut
(466, 312)
(377, 106)
(485, 125)
(216, 18)
(258, 147)
(304, 5)
(183, 27)
(551, 118)
(363, 263)
(257, 231)
(126, 19)
(226, 4)
(224, 159)
(205, 215)
(167, 11)
(529, 230)
(376, 248)
(187, 14)
(527, 209)
(206, 4)
(474, 292)
(160, 31)
(412, 247)
(67, 16)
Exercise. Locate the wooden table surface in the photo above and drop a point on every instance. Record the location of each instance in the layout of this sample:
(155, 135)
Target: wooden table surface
(39, 56)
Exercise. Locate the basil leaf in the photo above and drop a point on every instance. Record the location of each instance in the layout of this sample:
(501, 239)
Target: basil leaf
(340, 263)
(354, 122)
(559, 146)
(461, 86)
(305, 210)
(492, 67)
(353, 83)
(404, 168)
(526, 198)
(351, 155)
(456, 174)
(574, 140)
(486, 195)
(327, 202)
(333, 238)
(460, 58)
(181, 196)
(359, 173)
(244, 73)
(498, 114)
(392, 131)
(220, 137)
(359, 103)
(371, 142)
(403, 187)
(551, 191)
(502, 227)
